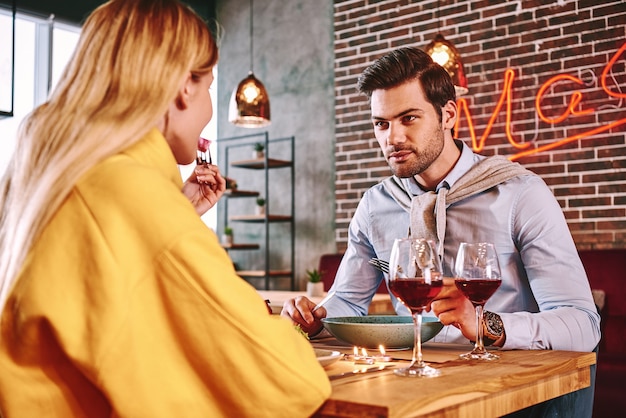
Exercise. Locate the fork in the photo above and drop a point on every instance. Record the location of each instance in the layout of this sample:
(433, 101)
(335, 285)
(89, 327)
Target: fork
(203, 152)
(204, 157)
(381, 265)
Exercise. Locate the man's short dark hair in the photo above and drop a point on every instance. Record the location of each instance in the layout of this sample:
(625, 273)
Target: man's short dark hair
(407, 64)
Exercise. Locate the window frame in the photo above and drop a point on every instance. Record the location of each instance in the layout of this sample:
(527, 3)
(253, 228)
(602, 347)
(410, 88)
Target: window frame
(10, 110)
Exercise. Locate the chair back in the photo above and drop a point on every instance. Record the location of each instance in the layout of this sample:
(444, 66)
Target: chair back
(328, 266)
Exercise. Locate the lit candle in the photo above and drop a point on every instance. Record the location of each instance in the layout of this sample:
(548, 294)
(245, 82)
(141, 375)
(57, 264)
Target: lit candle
(362, 358)
(353, 356)
(383, 357)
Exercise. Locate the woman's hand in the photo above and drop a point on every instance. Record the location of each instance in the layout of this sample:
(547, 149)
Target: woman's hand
(204, 187)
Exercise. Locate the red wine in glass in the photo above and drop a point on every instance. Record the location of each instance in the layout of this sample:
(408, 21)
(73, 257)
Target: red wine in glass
(415, 278)
(478, 290)
(477, 277)
(415, 293)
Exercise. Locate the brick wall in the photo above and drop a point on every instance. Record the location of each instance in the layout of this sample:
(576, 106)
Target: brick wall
(582, 158)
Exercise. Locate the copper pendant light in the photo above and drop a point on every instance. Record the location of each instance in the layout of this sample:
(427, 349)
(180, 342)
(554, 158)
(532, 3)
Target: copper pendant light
(250, 104)
(444, 53)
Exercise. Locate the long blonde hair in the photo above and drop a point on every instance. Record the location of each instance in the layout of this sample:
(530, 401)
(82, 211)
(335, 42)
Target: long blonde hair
(131, 59)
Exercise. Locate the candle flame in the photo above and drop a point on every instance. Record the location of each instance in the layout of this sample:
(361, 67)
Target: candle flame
(356, 351)
(382, 349)
(364, 352)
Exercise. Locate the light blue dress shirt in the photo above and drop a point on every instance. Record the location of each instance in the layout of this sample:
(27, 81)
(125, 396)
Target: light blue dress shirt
(544, 301)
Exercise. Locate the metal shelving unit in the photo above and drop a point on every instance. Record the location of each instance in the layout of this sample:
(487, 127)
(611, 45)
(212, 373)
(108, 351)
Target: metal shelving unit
(235, 146)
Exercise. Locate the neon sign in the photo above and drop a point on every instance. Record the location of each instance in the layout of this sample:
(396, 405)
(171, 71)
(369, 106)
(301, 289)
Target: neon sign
(574, 108)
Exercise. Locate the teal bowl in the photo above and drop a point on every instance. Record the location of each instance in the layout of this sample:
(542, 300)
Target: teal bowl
(390, 331)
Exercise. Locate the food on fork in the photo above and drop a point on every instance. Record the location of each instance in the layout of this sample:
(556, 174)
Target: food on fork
(204, 155)
(203, 144)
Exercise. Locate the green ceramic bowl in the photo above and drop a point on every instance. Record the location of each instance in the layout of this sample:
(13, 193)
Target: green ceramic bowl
(392, 331)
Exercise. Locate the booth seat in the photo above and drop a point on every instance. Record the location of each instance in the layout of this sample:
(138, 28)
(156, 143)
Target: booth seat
(606, 270)
(328, 266)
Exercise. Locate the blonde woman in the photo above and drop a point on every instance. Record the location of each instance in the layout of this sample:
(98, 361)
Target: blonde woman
(116, 299)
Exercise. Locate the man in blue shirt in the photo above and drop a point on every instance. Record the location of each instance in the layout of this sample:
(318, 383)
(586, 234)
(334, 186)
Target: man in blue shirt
(544, 301)
(442, 190)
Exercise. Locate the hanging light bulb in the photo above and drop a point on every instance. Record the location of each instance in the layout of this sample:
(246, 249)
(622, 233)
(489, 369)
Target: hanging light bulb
(445, 54)
(250, 104)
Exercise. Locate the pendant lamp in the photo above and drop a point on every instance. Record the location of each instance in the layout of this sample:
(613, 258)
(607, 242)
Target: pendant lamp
(444, 53)
(250, 104)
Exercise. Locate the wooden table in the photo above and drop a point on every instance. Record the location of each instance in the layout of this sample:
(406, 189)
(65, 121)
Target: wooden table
(381, 303)
(464, 389)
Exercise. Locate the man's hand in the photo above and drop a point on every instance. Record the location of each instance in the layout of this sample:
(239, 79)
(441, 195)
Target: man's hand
(453, 308)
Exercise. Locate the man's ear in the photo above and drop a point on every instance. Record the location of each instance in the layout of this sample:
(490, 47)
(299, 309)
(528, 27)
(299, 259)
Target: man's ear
(449, 113)
(184, 93)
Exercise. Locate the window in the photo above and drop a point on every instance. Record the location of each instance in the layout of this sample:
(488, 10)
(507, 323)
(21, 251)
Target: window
(33, 74)
(6, 63)
(43, 48)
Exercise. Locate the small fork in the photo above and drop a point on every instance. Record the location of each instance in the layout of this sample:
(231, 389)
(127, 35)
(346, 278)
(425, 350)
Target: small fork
(204, 157)
(381, 265)
(204, 151)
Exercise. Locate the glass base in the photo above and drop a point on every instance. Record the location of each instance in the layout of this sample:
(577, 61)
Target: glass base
(417, 371)
(479, 355)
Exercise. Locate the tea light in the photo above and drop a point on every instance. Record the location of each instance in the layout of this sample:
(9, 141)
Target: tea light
(352, 357)
(382, 357)
(362, 358)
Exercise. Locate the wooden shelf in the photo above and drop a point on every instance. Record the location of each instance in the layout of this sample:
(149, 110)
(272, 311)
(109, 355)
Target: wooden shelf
(261, 273)
(259, 164)
(240, 193)
(241, 246)
(260, 218)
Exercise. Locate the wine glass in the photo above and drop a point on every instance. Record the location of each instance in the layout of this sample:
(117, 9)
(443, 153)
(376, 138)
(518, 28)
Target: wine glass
(415, 278)
(477, 277)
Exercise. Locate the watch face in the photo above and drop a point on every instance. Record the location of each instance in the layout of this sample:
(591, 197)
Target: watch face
(493, 323)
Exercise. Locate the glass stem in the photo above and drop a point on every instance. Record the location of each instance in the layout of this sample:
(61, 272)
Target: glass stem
(479, 328)
(417, 340)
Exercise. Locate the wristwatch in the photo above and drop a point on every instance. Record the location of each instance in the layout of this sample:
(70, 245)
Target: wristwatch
(493, 328)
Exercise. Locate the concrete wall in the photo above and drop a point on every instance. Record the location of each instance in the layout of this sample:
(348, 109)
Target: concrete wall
(294, 59)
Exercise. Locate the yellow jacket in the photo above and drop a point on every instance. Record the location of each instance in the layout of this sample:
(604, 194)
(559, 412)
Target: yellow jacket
(128, 306)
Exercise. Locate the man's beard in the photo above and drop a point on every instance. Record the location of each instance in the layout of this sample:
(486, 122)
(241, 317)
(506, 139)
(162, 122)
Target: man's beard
(418, 162)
